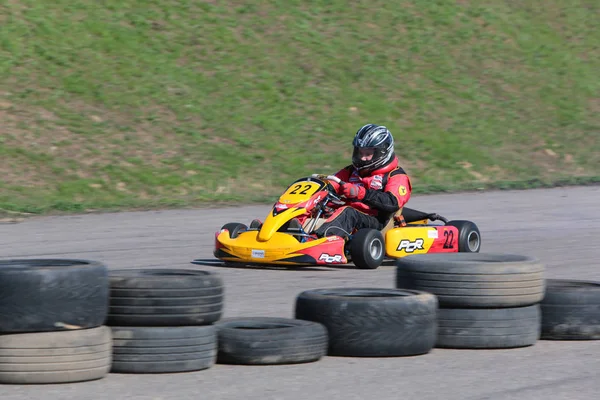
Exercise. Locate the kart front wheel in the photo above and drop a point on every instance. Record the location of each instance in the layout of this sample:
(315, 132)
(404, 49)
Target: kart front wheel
(234, 228)
(367, 249)
(469, 237)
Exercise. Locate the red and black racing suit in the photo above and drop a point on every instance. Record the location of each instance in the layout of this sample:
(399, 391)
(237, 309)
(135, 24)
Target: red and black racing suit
(387, 189)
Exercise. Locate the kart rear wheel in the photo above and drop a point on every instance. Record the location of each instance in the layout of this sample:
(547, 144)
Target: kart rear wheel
(234, 228)
(469, 237)
(367, 249)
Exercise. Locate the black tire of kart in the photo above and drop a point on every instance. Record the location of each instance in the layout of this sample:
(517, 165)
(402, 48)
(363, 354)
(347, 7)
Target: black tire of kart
(55, 357)
(270, 341)
(150, 350)
(44, 295)
(360, 248)
(255, 224)
(372, 322)
(474, 280)
(496, 328)
(234, 228)
(571, 310)
(468, 233)
(165, 297)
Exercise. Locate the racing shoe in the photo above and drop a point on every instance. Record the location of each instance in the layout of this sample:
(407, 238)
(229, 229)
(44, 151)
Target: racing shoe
(295, 225)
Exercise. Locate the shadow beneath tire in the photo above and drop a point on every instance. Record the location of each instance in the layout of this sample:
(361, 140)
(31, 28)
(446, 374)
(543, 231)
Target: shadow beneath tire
(388, 263)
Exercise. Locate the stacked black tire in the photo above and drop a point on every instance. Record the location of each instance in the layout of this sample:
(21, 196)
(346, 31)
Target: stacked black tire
(486, 301)
(162, 320)
(270, 341)
(372, 322)
(52, 314)
(571, 310)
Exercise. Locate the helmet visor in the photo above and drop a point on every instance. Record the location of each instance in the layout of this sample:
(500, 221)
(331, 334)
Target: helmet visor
(365, 153)
(366, 157)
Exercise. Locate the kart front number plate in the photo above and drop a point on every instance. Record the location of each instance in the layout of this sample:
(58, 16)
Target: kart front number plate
(258, 254)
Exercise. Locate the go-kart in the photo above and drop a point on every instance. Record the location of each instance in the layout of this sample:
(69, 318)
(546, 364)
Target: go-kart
(286, 235)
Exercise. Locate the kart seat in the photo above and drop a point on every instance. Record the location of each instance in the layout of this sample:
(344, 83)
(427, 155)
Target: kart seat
(411, 215)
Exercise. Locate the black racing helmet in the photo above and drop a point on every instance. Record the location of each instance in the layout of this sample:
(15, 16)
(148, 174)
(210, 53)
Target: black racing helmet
(378, 138)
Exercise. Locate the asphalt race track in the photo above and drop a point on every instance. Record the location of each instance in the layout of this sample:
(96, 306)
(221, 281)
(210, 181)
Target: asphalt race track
(560, 226)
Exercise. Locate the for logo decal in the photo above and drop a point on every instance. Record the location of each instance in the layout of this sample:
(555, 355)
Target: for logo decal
(409, 246)
(330, 259)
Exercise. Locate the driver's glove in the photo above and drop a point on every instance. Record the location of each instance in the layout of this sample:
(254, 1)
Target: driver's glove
(352, 191)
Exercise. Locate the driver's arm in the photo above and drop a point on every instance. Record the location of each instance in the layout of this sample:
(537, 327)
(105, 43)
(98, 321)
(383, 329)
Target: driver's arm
(394, 196)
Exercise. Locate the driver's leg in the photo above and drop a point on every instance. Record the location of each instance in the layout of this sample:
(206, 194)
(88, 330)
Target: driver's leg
(345, 220)
(310, 221)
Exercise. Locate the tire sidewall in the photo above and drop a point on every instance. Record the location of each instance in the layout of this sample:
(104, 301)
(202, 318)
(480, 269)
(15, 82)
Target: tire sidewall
(234, 228)
(465, 230)
(360, 249)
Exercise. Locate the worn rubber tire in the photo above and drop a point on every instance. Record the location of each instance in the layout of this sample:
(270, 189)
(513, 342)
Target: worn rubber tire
(234, 228)
(361, 245)
(571, 310)
(372, 322)
(495, 328)
(270, 341)
(143, 349)
(165, 297)
(55, 357)
(469, 237)
(43, 295)
(477, 280)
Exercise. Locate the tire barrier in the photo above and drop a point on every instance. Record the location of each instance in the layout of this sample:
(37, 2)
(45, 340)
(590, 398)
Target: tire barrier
(372, 322)
(571, 310)
(487, 301)
(164, 297)
(270, 341)
(47, 295)
(474, 280)
(488, 328)
(71, 320)
(142, 349)
(52, 314)
(55, 357)
(162, 319)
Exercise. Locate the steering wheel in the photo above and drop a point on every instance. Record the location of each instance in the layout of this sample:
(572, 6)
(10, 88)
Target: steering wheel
(335, 197)
(329, 178)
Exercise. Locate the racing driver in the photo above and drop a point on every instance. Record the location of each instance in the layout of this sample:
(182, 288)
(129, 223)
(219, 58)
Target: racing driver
(375, 187)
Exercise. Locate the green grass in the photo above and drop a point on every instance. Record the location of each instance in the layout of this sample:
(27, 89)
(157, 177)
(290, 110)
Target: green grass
(127, 104)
